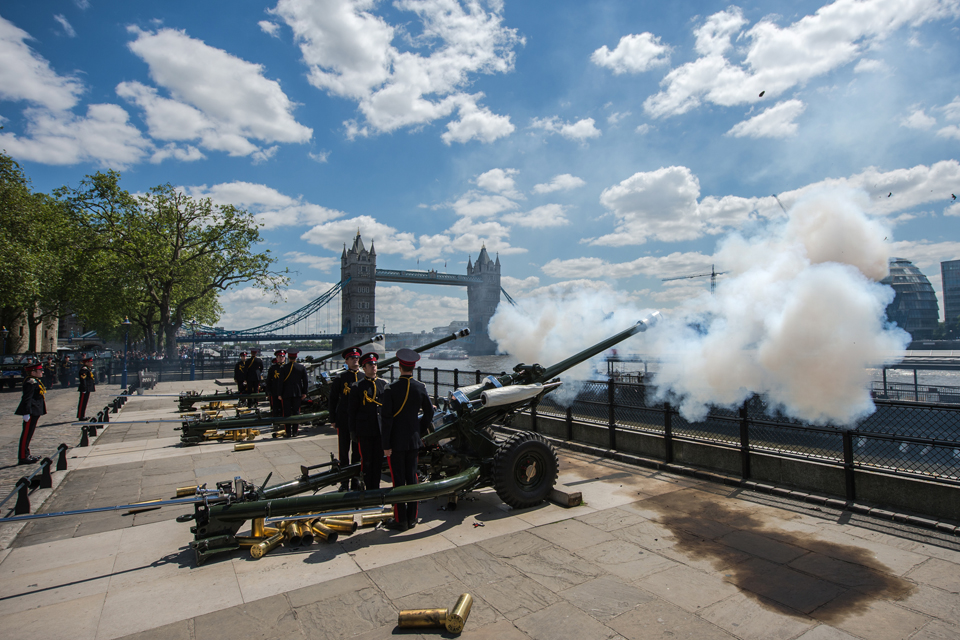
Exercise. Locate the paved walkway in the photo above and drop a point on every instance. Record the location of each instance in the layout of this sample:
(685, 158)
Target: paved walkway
(649, 555)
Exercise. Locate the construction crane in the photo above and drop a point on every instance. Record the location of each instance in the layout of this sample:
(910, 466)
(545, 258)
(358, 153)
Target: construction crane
(713, 277)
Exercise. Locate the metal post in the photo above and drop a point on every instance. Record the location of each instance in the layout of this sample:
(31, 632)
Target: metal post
(456, 379)
(436, 386)
(62, 459)
(23, 497)
(744, 442)
(916, 395)
(420, 374)
(533, 415)
(885, 382)
(612, 417)
(569, 423)
(478, 376)
(46, 480)
(848, 464)
(126, 349)
(4, 332)
(193, 352)
(667, 434)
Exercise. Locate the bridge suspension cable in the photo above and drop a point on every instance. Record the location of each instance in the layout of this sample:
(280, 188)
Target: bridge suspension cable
(293, 318)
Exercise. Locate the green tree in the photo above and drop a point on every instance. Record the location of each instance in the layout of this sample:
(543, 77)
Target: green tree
(180, 251)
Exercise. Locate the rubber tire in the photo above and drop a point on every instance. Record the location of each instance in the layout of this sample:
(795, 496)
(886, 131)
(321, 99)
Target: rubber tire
(511, 462)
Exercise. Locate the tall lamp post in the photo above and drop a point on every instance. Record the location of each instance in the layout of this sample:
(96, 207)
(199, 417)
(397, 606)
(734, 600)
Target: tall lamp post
(193, 358)
(126, 347)
(4, 332)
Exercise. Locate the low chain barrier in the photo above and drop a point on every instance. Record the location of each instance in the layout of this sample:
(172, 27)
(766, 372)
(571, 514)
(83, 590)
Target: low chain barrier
(41, 478)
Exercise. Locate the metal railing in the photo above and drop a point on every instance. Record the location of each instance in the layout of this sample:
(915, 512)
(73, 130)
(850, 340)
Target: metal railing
(41, 478)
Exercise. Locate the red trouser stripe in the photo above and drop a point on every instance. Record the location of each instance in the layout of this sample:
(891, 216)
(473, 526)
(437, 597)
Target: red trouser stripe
(29, 426)
(82, 407)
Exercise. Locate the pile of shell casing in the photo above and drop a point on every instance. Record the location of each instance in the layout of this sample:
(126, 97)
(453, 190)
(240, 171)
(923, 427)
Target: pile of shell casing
(453, 620)
(235, 435)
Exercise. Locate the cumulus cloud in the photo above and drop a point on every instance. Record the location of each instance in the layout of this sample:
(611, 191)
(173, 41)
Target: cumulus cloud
(270, 28)
(27, 76)
(68, 29)
(499, 181)
(271, 208)
(321, 263)
(952, 111)
(617, 116)
(473, 205)
(581, 130)
(548, 215)
(384, 238)
(349, 52)
(950, 131)
(562, 182)
(103, 136)
(776, 59)
(775, 122)
(866, 65)
(634, 54)
(675, 264)
(216, 100)
(918, 120)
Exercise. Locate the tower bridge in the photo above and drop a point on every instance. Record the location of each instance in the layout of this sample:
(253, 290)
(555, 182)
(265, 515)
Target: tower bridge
(357, 292)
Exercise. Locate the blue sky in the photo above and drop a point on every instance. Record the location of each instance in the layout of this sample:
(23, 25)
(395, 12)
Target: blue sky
(593, 145)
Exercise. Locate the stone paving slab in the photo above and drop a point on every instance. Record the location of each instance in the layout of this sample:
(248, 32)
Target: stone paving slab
(648, 556)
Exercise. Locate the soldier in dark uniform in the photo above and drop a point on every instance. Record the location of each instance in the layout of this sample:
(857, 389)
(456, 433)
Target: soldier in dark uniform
(49, 373)
(401, 427)
(86, 386)
(240, 373)
(272, 382)
(365, 399)
(32, 406)
(293, 389)
(66, 372)
(340, 405)
(254, 376)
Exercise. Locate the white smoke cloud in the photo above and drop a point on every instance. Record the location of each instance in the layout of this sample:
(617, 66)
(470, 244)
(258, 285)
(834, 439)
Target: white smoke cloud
(799, 319)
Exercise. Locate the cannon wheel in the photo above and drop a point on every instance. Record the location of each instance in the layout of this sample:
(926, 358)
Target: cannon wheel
(525, 469)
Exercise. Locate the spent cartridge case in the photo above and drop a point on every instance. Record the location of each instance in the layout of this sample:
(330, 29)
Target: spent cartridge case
(306, 535)
(294, 533)
(261, 549)
(246, 446)
(324, 532)
(269, 531)
(249, 541)
(341, 526)
(410, 618)
(457, 617)
(183, 492)
(256, 528)
(373, 519)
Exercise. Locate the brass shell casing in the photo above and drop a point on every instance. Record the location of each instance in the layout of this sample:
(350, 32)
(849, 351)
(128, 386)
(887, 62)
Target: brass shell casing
(248, 541)
(324, 532)
(410, 618)
(183, 492)
(373, 519)
(306, 535)
(256, 528)
(294, 533)
(261, 549)
(457, 617)
(244, 447)
(269, 531)
(340, 526)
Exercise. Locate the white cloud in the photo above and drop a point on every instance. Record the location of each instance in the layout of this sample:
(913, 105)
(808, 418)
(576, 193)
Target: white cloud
(580, 130)
(777, 59)
(516, 284)
(775, 122)
(562, 182)
(952, 210)
(675, 264)
(67, 27)
(500, 181)
(634, 53)
(952, 110)
(25, 75)
(271, 208)
(950, 131)
(349, 52)
(270, 28)
(477, 123)
(321, 156)
(321, 263)
(643, 129)
(548, 215)
(82, 4)
(866, 65)
(102, 136)
(384, 238)
(217, 100)
(474, 205)
(617, 116)
(188, 153)
(918, 120)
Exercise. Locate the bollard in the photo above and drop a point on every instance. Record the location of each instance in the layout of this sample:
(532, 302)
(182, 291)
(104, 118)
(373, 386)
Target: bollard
(92, 428)
(84, 439)
(106, 414)
(23, 497)
(46, 480)
(62, 458)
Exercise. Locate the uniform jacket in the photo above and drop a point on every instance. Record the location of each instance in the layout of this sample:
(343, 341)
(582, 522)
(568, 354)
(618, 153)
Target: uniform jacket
(87, 383)
(253, 371)
(401, 425)
(340, 395)
(293, 380)
(239, 374)
(32, 401)
(365, 399)
(273, 379)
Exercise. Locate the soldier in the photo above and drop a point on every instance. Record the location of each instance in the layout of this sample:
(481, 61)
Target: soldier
(340, 405)
(403, 400)
(86, 386)
(253, 375)
(32, 406)
(66, 372)
(49, 373)
(365, 399)
(239, 373)
(272, 382)
(293, 389)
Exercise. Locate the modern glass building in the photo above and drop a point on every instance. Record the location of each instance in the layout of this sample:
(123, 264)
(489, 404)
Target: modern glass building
(950, 272)
(915, 308)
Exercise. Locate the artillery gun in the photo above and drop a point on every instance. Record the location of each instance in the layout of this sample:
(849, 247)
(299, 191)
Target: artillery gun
(459, 455)
(207, 427)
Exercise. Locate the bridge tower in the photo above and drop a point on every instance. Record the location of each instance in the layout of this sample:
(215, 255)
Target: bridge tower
(482, 301)
(359, 295)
